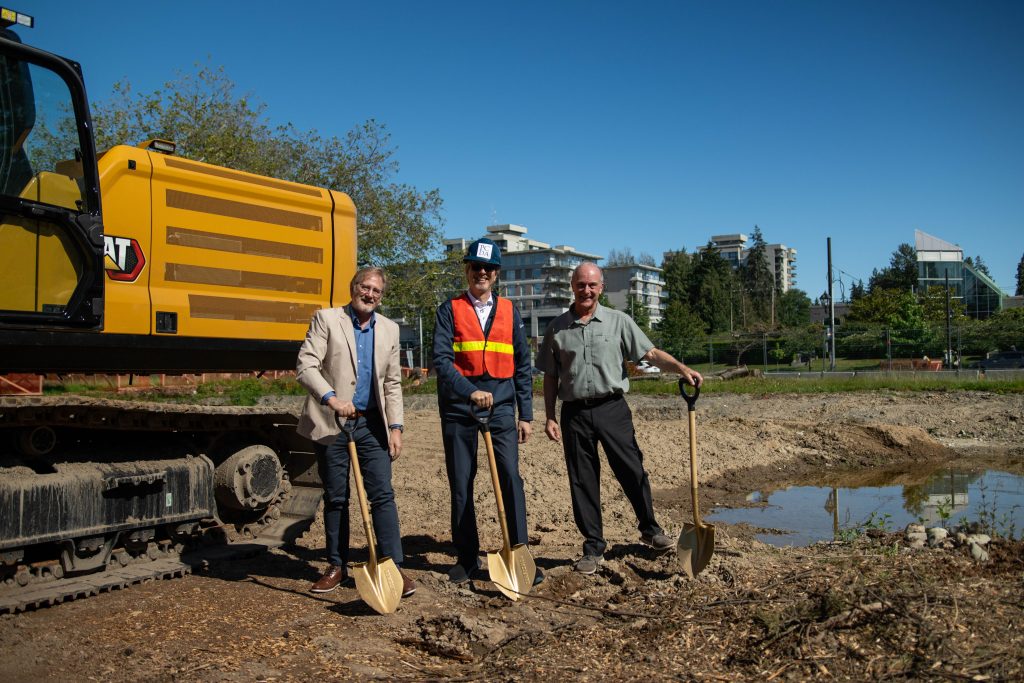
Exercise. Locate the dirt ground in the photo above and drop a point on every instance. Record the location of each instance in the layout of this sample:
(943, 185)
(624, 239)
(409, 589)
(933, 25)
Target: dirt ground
(867, 609)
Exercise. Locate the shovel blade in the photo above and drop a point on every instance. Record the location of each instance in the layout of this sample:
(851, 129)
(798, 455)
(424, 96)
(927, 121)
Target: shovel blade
(380, 585)
(512, 574)
(695, 547)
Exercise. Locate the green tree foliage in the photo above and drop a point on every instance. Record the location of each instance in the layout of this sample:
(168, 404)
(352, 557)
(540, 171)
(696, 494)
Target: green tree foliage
(892, 307)
(677, 268)
(758, 282)
(899, 312)
(712, 284)
(857, 290)
(793, 308)
(901, 273)
(1020, 277)
(682, 330)
(202, 113)
(978, 265)
(639, 312)
(1004, 329)
(933, 306)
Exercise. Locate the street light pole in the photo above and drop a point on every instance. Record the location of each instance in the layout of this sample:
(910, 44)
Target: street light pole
(831, 313)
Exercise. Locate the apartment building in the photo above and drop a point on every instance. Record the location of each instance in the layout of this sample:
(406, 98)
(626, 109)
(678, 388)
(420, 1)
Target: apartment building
(630, 284)
(781, 259)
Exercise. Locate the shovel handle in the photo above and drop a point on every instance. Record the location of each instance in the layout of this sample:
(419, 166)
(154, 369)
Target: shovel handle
(484, 422)
(691, 399)
(482, 419)
(348, 427)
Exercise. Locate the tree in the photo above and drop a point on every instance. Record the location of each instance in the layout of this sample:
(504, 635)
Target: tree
(933, 306)
(639, 312)
(682, 330)
(978, 265)
(900, 312)
(208, 121)
(677, 268)
(712, 282)
(901, 273)
(857, 290)
(1020, 277)
(757, 278)
(794, 309)
(620, 258)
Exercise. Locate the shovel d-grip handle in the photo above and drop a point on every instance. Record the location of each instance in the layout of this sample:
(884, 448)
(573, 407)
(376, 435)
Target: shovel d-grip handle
(691, 399)
(348, 426)
(482, 419)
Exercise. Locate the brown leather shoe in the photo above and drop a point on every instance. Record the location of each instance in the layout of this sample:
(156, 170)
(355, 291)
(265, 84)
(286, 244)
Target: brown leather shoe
(408, 585)
(330, 580)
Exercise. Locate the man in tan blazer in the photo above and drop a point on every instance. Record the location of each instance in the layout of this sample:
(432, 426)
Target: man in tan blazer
(349, 363)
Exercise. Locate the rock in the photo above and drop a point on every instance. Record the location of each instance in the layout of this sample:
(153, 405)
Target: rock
(980, 539)
(936, 535)
(961, 538)
(913, 528)
(978, 553)
(915, 543)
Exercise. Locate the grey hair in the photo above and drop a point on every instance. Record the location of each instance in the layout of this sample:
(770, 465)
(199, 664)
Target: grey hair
(365, 272)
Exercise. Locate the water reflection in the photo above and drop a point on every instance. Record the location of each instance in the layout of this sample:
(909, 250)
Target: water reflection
(800, 515)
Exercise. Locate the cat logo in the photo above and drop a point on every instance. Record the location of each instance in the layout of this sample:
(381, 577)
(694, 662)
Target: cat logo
(123, 258)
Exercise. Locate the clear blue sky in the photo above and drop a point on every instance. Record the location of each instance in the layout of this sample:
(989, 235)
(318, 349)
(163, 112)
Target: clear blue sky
(648, 125)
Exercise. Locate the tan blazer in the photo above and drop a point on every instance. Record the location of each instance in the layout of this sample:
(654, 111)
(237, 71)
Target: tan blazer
(327, 362)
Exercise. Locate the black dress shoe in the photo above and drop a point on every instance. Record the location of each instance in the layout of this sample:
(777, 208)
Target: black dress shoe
(458, 574)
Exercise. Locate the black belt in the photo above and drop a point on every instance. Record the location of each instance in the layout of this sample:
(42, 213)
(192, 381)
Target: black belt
(591, 402)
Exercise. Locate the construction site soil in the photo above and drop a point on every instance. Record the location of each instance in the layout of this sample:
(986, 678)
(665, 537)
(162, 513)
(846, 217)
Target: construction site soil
(866, 608)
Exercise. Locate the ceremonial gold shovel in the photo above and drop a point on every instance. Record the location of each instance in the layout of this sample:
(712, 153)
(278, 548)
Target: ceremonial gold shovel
(378, 581)
(512, 568)
(696, 542)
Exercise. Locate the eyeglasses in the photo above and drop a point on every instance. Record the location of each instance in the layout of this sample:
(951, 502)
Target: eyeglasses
(367, 289)
(476, 265)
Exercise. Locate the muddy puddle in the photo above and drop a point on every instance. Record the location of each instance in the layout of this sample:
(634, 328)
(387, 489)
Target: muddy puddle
(801, 515)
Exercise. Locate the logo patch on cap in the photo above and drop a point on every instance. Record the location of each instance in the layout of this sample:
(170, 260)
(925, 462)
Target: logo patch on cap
(483, 251)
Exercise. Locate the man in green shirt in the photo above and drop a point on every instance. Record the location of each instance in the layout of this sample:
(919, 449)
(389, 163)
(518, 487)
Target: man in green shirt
(583, 358)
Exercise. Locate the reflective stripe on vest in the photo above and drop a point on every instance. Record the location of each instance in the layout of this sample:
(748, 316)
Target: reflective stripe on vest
(476, 354)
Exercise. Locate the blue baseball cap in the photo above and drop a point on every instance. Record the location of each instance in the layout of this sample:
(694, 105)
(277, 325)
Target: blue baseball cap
(483, 251)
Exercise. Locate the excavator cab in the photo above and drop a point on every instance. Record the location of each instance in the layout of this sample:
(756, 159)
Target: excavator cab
(51, 235)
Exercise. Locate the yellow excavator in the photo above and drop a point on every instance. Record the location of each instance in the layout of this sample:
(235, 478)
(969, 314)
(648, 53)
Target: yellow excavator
(133, 260)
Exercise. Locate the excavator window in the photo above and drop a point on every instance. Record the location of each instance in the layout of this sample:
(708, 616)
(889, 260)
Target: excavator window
(45, 259)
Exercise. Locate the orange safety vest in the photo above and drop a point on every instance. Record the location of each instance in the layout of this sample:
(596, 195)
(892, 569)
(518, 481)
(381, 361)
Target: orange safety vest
(475, 353)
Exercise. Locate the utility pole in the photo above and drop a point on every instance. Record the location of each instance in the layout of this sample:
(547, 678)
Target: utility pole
(419, 315)
(949, 335)
(831, 313)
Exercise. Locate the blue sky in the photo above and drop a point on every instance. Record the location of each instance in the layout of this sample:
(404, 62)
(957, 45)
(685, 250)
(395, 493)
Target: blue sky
(648, 125)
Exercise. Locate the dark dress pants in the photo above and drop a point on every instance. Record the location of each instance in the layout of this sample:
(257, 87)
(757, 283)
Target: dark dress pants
(609, 423)
(461, 434)
(333, 461)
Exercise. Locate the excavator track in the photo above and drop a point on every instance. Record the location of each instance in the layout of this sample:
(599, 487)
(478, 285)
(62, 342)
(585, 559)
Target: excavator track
(38, 575)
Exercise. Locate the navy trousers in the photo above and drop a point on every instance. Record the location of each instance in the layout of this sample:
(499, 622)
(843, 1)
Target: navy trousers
(610, 423)
(461, 435)
(371, 439)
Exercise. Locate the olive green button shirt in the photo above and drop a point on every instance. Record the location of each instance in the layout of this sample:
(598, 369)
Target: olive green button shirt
(589, 357)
